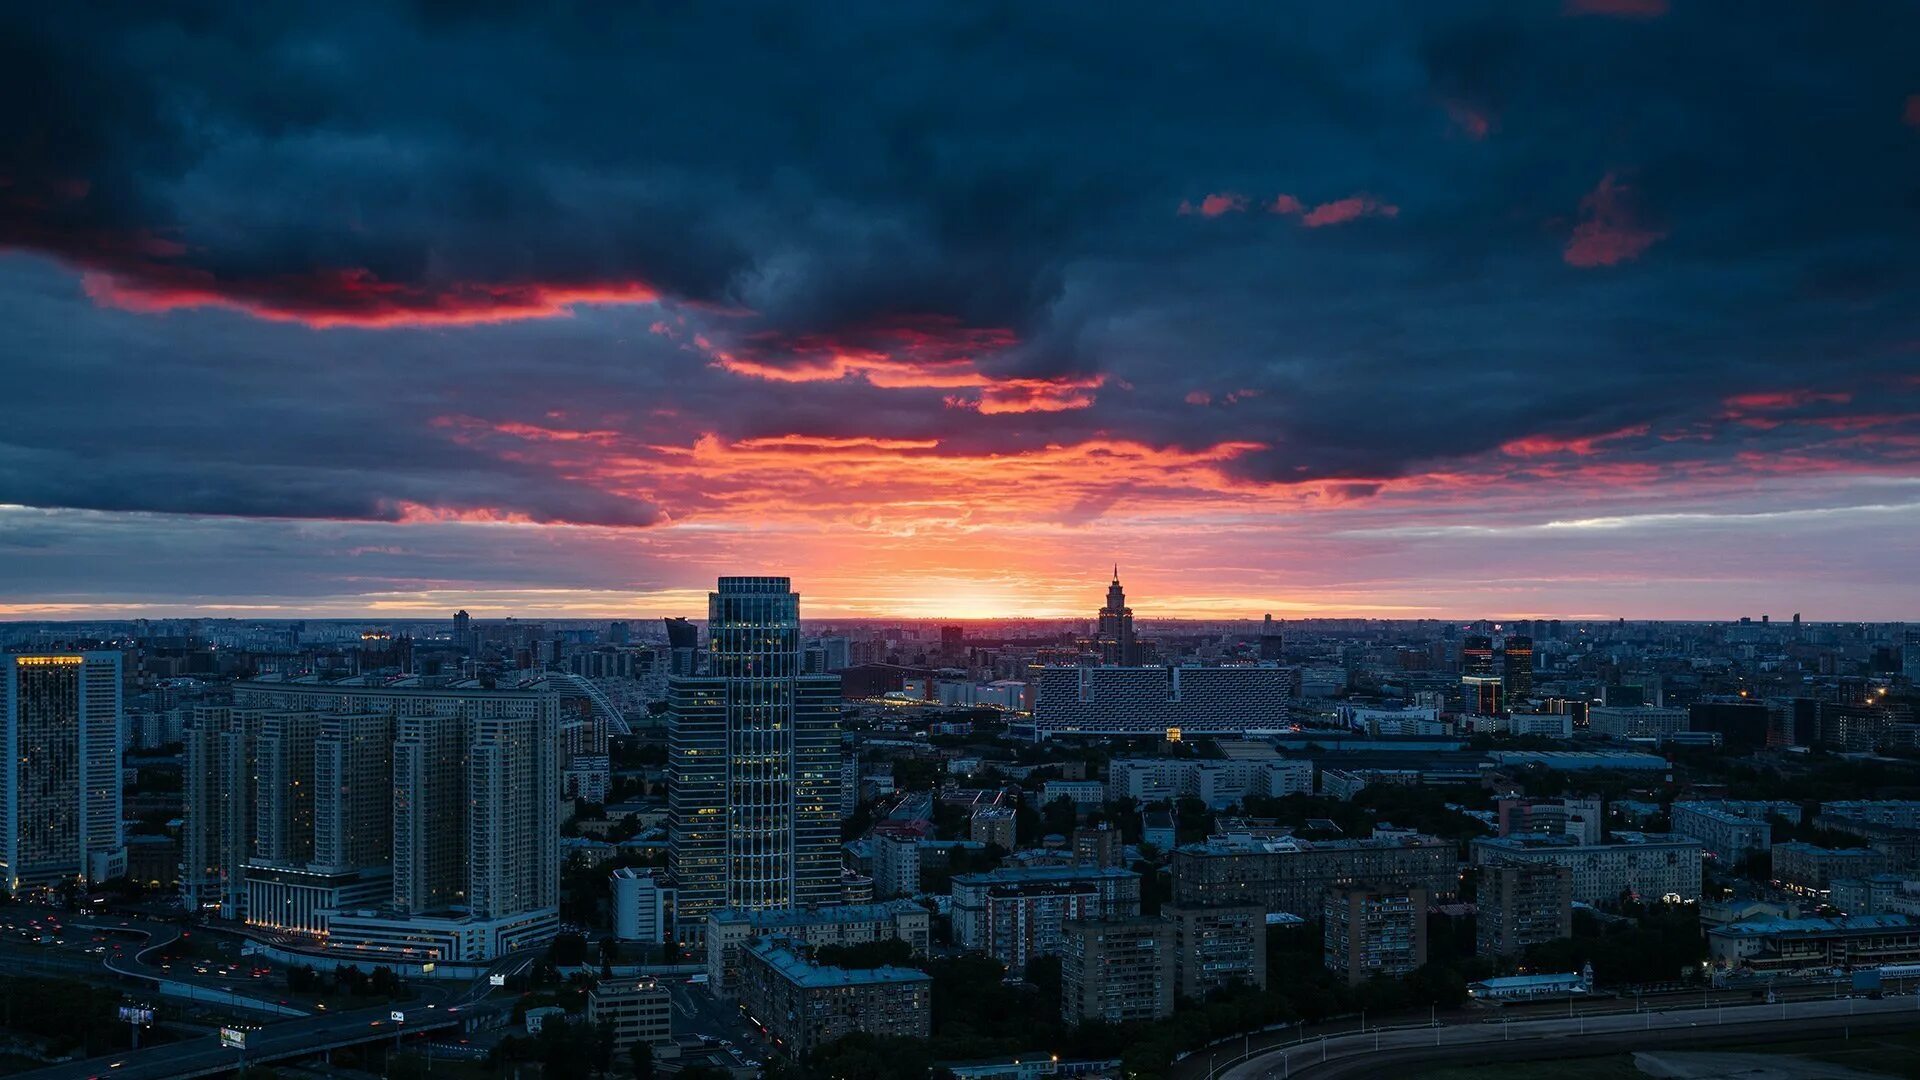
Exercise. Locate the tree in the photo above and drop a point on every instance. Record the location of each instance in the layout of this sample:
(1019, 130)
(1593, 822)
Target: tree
(568, 950)
(641, 1057)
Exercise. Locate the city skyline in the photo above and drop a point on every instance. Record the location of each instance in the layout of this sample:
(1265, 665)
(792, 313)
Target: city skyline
(1363, 315)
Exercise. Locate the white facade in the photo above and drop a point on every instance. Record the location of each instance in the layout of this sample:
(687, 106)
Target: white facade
(1651, 867)
(60, 780)
(642, 906)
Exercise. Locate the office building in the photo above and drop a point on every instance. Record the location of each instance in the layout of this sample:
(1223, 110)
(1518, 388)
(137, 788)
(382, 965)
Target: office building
(1115, 628)
(1476, 657)
(728, 929)
(1374, 930)
(1648, 722)
(638, 1010)
(1650, 867)
(1216, 947)
(804, 1005)
(60, 780)
(1073, 702)
(1815, 945)
(1293, 875)
(753, 762)
(1522, 905)
(1516, 668)
(1116, 971)
(683, 647)
(1483, 695)
(642, 906)
(1016, 913)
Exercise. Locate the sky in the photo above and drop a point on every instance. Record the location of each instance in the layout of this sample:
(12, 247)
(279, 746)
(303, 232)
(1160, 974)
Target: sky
(1575, 308)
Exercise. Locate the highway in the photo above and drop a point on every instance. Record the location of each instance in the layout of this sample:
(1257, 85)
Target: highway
(1378, 1051)
(286, 1039)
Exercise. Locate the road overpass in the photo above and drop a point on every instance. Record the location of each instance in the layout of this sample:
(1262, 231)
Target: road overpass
(288, 1039)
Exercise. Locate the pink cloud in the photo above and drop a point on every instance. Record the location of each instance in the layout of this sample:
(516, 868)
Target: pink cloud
(1285, 204)
(1617, 9)
(1471, 120)
(1912, 115)
(1223, 202)
(1609, 232)
(1348, 209)
(1199, 397)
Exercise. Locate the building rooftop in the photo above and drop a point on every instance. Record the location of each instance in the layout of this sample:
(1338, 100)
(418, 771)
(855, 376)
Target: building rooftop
(1252, 845)
(800, 971)
(817, 916)
(1848, 924)
(1021, 874)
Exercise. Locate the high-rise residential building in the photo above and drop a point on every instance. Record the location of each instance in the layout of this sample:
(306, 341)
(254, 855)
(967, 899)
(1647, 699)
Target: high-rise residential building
(1909, 654)
(753, 760)
(463, 631)
(283, 788)
(1215, 947)
(429, 813)
(353, 791)
(513, 782)
(217, 831)
(60, 780)
(1522, 905)
(1375, 930)
(1116, 971)
(389, 819)
(1517, 667)
(1115, 634)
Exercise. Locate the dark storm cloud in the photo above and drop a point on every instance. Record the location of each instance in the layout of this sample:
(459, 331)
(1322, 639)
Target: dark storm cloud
(1598, 224)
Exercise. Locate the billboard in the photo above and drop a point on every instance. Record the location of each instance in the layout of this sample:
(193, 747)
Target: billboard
(136, 1014)
(233, 1039)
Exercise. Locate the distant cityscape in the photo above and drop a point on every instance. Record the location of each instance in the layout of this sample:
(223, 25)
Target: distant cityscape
(797, 834)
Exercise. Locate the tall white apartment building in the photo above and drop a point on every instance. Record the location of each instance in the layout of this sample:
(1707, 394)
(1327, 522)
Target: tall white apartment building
(60, 780)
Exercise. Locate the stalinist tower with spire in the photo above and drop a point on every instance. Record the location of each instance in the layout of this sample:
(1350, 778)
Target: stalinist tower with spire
(1117, 645)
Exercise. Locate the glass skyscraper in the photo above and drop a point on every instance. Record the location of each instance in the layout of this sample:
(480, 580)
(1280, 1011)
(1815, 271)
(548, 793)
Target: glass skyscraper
(753, 763)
